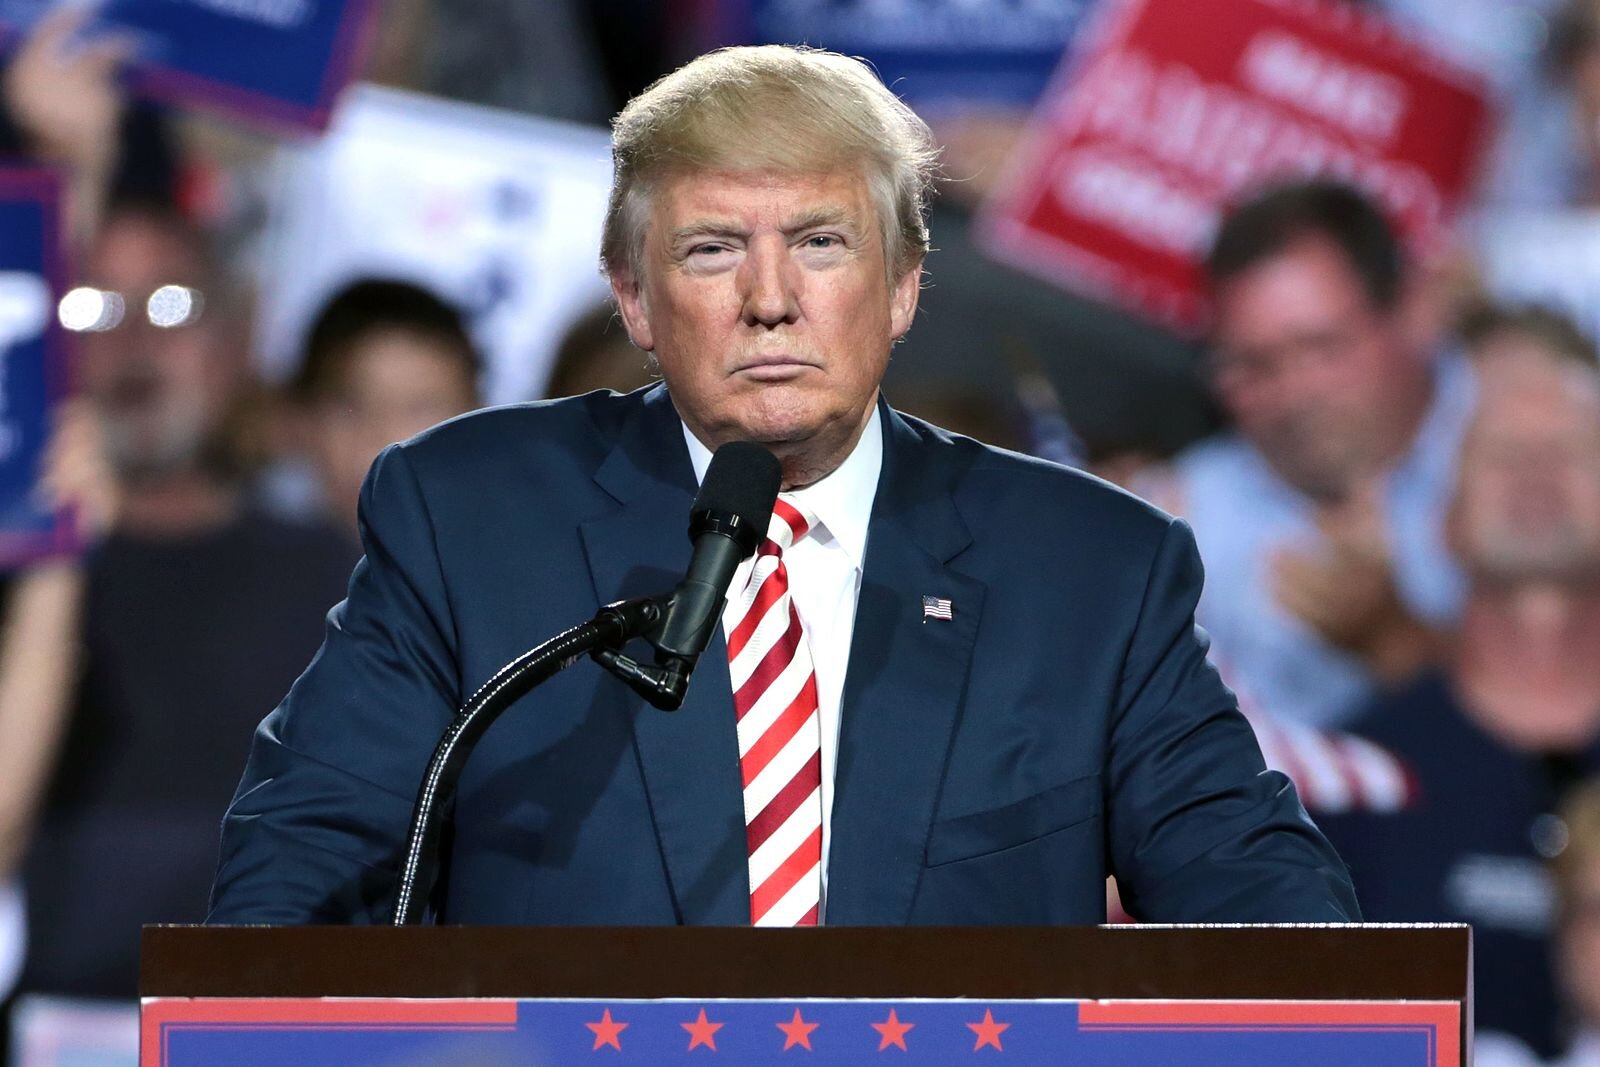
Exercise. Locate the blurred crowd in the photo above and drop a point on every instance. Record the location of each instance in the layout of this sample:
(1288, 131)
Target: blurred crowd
(1393, 477)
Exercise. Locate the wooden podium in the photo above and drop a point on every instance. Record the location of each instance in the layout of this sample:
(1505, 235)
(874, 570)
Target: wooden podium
(1130, 995)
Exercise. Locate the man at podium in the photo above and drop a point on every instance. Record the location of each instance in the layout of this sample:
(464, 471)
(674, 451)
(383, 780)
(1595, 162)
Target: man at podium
(953, 685)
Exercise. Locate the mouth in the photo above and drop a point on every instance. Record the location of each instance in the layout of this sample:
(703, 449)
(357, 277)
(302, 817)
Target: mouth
(774, 367)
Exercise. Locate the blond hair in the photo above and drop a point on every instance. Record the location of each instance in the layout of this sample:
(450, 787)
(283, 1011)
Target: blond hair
(777, 108)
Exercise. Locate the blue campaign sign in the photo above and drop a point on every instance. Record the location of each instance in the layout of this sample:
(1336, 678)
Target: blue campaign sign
(33, 359)
(276, 62)
(314, 1033)
(931, 52)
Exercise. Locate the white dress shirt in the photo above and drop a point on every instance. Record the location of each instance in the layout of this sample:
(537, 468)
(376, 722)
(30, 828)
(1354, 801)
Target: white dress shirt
(824, 581)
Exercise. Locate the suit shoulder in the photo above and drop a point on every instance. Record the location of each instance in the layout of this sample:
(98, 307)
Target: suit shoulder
(1008, 486)
(600, 413)
(520, 441)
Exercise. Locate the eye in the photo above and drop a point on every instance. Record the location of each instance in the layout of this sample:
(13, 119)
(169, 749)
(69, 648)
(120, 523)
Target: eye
(708, 249)
(822, 240)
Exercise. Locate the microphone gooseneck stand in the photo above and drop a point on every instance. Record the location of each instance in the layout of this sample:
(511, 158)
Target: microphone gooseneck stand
(602, 637)
(728, 519)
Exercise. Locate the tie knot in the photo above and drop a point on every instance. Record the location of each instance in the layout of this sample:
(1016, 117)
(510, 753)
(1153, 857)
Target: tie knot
(790, 521)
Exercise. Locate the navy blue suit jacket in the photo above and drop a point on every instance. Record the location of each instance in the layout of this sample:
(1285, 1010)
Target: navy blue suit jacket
(992, 768)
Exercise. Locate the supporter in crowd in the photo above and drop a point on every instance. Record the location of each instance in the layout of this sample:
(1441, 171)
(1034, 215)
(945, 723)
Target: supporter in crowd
(131, 679)
(1576, 874)
(383, 361)
(192, 614)
(39, 661)
(595, 354)
(1494, 331)
(62, 98)
(1511, 722)
(1319, 516)
(963, 409)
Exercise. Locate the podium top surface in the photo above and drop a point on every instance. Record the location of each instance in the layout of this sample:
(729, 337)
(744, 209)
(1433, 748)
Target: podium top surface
(1370, 962)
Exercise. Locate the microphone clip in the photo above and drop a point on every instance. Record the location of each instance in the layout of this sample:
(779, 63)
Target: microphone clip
(664, 683)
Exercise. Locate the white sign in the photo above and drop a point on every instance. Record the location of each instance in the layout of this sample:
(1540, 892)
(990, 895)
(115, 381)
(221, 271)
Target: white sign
(498, 213)
(1550, 258)
(24, 307)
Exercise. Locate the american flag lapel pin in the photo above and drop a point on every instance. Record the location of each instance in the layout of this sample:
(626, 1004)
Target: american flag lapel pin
(937, 607)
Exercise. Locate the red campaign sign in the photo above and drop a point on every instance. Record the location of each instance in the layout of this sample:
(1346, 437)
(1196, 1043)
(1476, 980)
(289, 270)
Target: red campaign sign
(1174, 108)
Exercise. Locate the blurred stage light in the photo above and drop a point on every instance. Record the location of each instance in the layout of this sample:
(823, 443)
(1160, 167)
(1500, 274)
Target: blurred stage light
(88, 310)
(173, 305)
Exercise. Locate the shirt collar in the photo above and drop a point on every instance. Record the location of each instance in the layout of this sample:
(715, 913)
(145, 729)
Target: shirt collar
(842, 502)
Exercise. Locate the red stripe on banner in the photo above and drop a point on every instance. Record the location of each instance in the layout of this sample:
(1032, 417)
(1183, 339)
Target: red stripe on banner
(1344, 758)
(1247, 1012)
(788, 873)
(1443, 1018)
(317, 1010)
(784, 727)
(790, 797)
(771, 665)
(1295, 768)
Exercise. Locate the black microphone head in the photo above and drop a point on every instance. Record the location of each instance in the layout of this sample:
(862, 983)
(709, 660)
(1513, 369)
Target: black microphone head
(737, 495)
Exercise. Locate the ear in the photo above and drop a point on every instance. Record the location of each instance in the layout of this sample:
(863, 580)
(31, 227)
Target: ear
(635, 315)
(903, 301)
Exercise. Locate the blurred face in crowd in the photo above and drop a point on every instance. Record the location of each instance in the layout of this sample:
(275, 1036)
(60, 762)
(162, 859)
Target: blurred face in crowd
(1314, 373)
(1512, 346)
(390, 385)
(767, 302)
(606, 361)
(1527, 504)
(162, 392)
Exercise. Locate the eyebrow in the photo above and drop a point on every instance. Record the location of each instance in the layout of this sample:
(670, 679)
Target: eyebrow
(822, 216)
(702, 228)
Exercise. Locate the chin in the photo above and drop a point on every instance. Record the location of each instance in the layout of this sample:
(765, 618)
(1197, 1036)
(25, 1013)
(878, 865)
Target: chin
(780, 420)
(776, 435)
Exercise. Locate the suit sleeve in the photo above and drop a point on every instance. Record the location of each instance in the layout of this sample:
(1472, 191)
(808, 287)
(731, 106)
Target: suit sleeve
(317, 827)
(1199, 829)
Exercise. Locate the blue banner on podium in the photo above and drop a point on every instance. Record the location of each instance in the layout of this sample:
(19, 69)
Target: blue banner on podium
(354, 1033)
(33, 360)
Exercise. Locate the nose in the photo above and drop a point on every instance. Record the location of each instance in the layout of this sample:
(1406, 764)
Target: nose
(769, 285)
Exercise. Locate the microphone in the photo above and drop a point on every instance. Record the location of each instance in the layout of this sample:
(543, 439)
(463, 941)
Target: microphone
(728, 520)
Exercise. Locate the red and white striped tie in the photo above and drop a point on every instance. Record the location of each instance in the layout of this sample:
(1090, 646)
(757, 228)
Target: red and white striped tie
(780, 758)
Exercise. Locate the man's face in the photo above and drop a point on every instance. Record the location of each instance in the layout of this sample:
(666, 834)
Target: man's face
(162, 392)
(391, 385)
(1527, 505)
(1313, 372)
(766, 300)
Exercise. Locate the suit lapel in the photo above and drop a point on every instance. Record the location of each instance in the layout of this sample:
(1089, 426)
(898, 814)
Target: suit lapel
(904, 687)
(689, 758)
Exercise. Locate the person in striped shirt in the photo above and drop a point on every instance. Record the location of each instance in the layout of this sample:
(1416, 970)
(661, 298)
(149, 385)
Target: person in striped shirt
(1494, 740)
